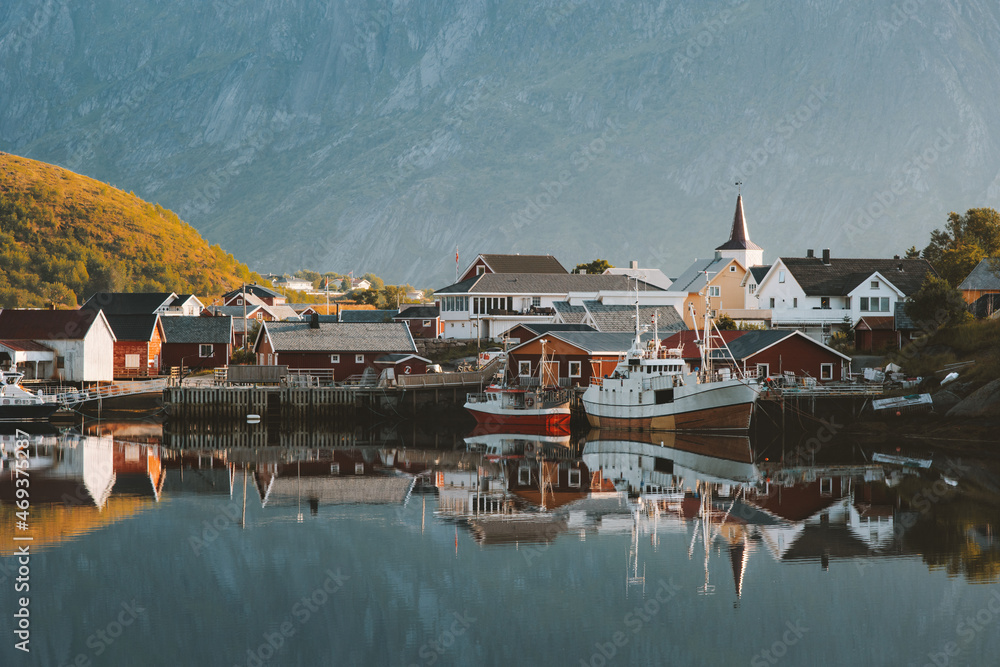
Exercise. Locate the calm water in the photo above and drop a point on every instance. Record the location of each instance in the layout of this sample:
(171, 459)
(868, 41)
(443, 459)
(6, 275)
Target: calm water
(318, 548)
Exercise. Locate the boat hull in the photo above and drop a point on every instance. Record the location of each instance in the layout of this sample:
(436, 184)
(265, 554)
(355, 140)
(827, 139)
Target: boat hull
(542, 417)
(721, 406)
(27, 413)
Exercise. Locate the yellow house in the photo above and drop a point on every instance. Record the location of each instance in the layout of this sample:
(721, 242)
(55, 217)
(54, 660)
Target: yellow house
(719, 279)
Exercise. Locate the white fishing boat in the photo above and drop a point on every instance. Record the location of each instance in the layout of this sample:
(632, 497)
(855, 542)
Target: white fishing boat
(545, 406)
(651, 389)
(20, 405)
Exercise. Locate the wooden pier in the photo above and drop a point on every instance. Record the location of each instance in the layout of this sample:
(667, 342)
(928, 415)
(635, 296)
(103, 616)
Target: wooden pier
(235, 403)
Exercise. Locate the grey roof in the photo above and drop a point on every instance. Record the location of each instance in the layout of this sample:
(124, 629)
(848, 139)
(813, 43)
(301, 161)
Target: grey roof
(133, 327)
(396, 357)
(542, 283)
(903, 321)
(128, 303)
(694, 279)
(255, 289)
(367, 315)
(523, 264)
(753, 342)
(419, 312)
(216, 330)
(759, 272)
(546, 328)
(622, 317)
(598, 341)
(570, 314)
(650, 276)
(981, 277)
(234, 311)
(841, 276)
(340, 337)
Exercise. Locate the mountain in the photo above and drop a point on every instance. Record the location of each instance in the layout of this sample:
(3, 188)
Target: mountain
(64, 237)
(378, 135)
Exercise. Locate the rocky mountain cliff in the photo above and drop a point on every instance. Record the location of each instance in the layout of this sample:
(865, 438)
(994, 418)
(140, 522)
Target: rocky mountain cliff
(379, 135)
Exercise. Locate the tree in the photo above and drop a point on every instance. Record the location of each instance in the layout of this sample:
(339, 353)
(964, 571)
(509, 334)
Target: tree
(936, 304)
(965, 240)
(377, 283)
(596, 266)
(725, 323)
(912, 253)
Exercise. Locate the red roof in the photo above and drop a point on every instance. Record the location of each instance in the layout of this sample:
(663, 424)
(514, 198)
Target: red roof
(881, 323)
(24, 346)
(17, 324)
(687, 339)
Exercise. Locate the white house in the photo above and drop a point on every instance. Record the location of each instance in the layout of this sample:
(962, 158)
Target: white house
(81, 341)
(820, 295)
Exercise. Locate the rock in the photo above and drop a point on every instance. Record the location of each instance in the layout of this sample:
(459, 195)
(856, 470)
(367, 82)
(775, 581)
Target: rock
(945, 400)
(984, 402)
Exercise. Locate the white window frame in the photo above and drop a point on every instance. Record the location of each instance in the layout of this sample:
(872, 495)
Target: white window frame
(714, 290)
(771, 302)
(359, 468)
(781, 276)
(334, 468)
(427, 323)
(359, 358)
(575, 477)
(334, 358)
(767, 370)
(480, 270)
(523, 366)
(826, 371)
(579, 369)
(201, 350)
(524, 475)
(874, 284)
(732, 268)
(131, 361)
(795, 302)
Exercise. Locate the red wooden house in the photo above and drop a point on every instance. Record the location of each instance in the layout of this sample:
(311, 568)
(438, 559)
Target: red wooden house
(873, 334)
(423, 321)
(572, 357)
(138, 344)
(774, 352)
(348, 348)
(197, 342)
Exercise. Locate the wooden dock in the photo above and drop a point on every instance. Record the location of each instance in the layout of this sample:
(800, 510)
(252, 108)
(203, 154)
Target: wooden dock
(235, 403)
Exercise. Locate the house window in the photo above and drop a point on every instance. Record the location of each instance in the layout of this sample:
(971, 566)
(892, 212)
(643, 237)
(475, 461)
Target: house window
(480, 270)
(359, 468)
(131, 361)
(426, 323)
(772, 302)
(205, 350)
(732, 268)
(574, 477)
(334, 358)
(239, 302)
(574, 369)
(334, 468)
(795, 302)
(524, 368)
(359, 358)
(763, 370)
(824, 302)
(714, 290)
(874, 284)
(60, 362)
(781, 276)
(753, 288)
(826, 371)
(524, 476)
(536, 301)
(847, 302)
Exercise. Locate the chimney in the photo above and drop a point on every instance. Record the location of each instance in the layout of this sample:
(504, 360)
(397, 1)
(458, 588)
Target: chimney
(826, 256)
(718, 254)
(634, 264)
(314, 321)
(810, 254)
(895, 256)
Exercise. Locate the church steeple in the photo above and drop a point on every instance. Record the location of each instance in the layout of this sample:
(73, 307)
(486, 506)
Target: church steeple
(739, 245)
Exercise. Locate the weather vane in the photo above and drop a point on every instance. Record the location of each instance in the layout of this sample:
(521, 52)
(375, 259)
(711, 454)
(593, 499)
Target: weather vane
(739, 187)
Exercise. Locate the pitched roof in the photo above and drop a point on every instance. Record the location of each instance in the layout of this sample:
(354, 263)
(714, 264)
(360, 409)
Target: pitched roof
(128, 303)
(21, 324)
(182, 299)
(542, 283)
(877, 323)
(133, 327)
(981, 277)
(340, 337)
(650, 276)
(25, 346)
(753, 342)
(694, 279)
(622, 317)
(523, 264)
(215, 330)
(759, 272)
(255, 289)
(739, 237)
(597, 342)
(419, 312)
(546, 328)
(903, 321)
(841, 276)
(570, 314)
(280, 311)
(236, 311)
(686, 341)
(367, 315)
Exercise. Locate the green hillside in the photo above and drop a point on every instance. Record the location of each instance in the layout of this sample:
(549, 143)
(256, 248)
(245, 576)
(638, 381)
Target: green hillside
(64, 236)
